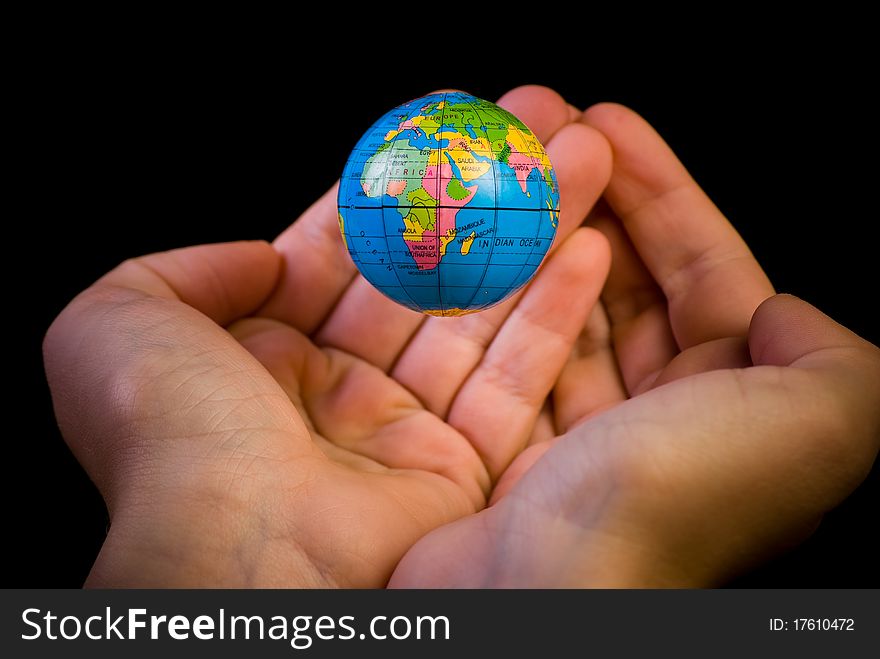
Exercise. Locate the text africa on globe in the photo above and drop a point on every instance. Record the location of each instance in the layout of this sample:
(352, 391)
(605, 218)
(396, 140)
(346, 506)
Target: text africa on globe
(448, 204)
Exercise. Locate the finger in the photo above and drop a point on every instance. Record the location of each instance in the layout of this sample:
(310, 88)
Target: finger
(786, 331)
(518, 468)
(317, 267)
(774, 447)
(730, 352)
(138, 361)
(384, 327)
(707, 273)
(224, 281)
(545, 109)
(545, 426)
(637, 313)
(583, 162)
(357, 410)
(496, 407)
(540, 108)
(590, 380)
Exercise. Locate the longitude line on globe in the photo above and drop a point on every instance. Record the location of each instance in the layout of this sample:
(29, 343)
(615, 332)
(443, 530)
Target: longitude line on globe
(437, 216)
(391, 260)
(494, 217)
(538, 223)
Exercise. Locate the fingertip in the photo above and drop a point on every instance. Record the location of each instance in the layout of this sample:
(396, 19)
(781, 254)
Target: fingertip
(581, 157)
(601, 246)
(579, 267)
(259, 249)
(780, 300)
(773, 326)
(542, 109)
(317, 225)
(265, 261)
(608, 116)
(603, 156)
(585, 141)
(765, 326)
(254, 258)
(589, 251)
(518, 468)
(785, 328)
(447, 90)
(632, 138)
(538, 94)
(224, 280)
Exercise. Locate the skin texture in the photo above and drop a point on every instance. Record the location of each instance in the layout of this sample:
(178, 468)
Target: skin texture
(258, 415)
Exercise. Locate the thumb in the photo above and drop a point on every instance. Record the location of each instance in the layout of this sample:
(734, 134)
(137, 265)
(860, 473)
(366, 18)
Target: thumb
(838, 370)
(786, 331)
(703, 476)
(137, 363)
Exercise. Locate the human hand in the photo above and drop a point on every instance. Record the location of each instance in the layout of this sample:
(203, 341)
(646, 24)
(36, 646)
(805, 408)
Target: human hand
(259, 416)
(690, 435)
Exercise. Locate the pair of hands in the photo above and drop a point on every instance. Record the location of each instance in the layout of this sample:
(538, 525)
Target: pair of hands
(645, 413)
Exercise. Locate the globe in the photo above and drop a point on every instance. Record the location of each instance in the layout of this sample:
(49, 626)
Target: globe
(448, 204)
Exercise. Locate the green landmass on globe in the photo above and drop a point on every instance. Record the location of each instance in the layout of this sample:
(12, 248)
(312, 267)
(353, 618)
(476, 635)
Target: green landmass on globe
(448, 204)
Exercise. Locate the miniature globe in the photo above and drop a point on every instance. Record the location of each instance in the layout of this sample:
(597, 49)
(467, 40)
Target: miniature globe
(448, 204)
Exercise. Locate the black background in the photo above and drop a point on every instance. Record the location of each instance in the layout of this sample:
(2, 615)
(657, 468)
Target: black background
(145, 146)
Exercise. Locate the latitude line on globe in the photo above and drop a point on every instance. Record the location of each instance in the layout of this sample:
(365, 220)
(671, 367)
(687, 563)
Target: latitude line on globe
(473, 208)
(393, 268)
(391, 263)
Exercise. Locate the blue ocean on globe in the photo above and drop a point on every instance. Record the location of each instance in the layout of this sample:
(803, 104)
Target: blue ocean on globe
(448, 204)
